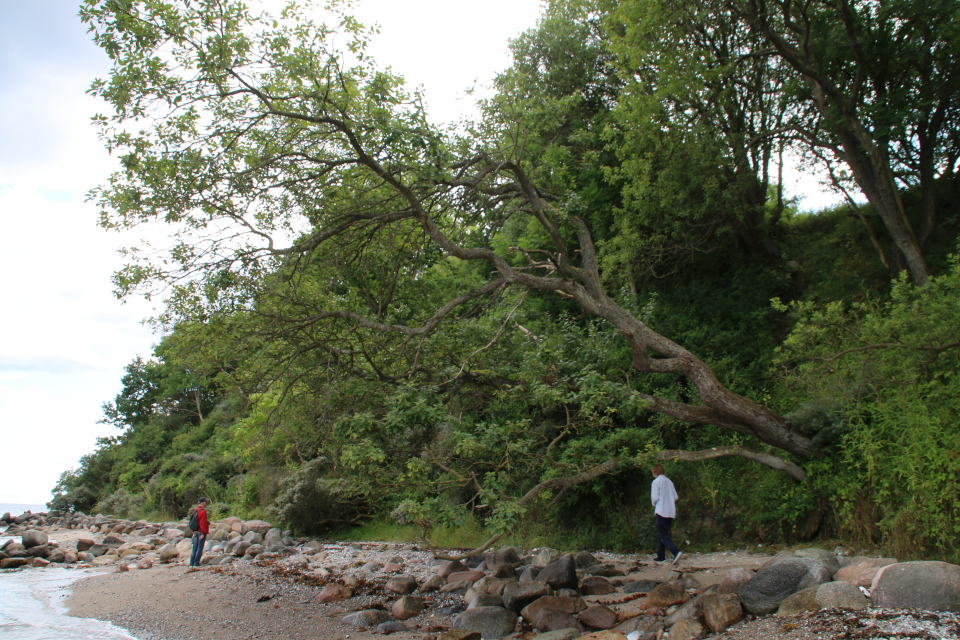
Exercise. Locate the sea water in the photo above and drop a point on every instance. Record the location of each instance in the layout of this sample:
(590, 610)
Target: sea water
(31, 601)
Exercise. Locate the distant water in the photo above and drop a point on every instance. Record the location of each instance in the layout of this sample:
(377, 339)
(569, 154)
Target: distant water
(19, 509)
(31, 608)
(31, 600)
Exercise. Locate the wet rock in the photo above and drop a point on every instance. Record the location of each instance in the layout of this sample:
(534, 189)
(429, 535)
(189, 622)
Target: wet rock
(14, 563)
(862, 572)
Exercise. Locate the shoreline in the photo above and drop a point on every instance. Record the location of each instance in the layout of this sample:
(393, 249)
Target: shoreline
(276, 596)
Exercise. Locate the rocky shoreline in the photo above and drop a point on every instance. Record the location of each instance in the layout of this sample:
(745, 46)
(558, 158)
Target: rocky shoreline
(259, 582)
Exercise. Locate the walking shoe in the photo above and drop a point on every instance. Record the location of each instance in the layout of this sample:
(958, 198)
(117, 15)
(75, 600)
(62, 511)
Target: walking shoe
(677, 557)
(659, 560)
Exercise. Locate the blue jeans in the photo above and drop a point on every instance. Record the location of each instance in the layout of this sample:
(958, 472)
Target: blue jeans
(663, 538)
(197, 553)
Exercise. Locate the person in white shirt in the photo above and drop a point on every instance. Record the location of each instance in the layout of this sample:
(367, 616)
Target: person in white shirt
(663, 495)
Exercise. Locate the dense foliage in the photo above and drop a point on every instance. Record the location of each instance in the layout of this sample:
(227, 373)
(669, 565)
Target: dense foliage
(370, 318)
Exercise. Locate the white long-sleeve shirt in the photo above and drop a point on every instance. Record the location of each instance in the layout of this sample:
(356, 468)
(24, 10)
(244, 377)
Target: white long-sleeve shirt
(663, 495)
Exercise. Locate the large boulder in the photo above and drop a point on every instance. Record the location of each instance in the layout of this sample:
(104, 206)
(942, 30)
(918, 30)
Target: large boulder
(554, 620)
(401, 585)
(586, 559)
(686, 630)
(169, 552)
(804, 600)
(273, 537)
(826, 558)
(862, 571)
(259, 526)
(596, 586)
(565, 604)
(734, 579)
(840, 595)
(253, 537)
(489, 622)
(451, 566)
(486, 600)
(407, 607)
(84, 544)
(720, 610)
(644, 586)
(486, 585)
(666, 595)
(545, 557)
(33, 538)
(561, 574)
(778, 579)
(470, 576)
(517, 595)
(598, 617)
(15, 563)
(929, 585)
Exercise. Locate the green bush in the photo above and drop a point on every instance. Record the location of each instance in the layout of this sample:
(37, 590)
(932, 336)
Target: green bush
(122, 504)
(886, 374)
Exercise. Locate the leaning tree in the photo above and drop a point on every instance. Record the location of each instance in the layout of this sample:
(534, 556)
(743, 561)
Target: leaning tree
(261, 143)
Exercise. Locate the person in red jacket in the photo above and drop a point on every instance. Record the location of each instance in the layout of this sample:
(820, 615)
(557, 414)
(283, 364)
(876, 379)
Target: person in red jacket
(200, 535)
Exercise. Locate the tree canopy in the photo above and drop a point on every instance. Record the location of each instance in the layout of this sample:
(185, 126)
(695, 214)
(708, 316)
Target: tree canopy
(495, 315)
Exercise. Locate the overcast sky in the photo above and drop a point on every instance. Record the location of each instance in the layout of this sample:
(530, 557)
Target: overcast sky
(64, 338)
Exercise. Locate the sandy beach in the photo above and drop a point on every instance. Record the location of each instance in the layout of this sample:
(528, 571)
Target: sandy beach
(248, 600)
(267, 598)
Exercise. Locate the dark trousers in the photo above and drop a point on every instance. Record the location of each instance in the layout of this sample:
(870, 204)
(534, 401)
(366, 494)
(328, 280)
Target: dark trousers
(663, 538)
(197, 552)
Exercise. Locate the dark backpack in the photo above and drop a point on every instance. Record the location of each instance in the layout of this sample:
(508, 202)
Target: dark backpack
(194, 523)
